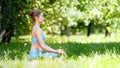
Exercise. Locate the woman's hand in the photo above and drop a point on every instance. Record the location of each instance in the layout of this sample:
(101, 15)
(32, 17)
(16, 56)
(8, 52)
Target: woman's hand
(60, 51)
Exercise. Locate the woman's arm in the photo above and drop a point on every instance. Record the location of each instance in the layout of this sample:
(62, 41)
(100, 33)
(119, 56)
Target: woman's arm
(42, 44)
(59, 51)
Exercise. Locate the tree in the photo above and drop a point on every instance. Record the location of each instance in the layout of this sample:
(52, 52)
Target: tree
(100, 12)
(14, 18)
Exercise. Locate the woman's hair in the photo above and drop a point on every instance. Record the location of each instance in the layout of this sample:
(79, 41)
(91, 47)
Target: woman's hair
(34, 13)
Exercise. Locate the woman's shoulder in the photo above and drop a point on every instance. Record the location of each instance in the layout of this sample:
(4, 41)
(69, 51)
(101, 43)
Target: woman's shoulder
(35, 27)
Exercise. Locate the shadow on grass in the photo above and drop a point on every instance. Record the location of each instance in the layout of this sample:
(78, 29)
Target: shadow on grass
(88, 49)
(14, 50)
(18, 49)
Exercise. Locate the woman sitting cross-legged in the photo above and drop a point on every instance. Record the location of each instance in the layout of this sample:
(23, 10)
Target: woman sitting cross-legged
(38, 38)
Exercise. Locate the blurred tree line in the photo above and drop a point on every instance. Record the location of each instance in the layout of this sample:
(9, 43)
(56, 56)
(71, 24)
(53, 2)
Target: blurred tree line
(62, 17)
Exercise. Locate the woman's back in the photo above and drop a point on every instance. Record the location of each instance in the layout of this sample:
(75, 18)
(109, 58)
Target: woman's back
(34, 39)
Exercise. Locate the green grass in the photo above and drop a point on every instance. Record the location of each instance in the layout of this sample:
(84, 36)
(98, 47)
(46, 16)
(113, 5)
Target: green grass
(81, 52)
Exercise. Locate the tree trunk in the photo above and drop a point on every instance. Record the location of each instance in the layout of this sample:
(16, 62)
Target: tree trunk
(68, 31)
(7, 35)
(62, 30)
(6, 21)
(65, 31)
(89, 27)
(107, 30)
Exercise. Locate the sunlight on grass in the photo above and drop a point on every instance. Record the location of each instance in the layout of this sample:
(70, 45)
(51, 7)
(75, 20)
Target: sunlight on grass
(84, 39)
(95, 61)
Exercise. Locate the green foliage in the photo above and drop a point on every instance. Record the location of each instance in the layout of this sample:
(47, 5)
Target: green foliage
(16, 13)
(61, 14)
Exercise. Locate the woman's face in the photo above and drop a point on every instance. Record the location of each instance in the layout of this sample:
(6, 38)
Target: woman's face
(40, 18)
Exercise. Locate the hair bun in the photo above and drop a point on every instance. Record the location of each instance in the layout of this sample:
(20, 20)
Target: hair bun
(34, 13)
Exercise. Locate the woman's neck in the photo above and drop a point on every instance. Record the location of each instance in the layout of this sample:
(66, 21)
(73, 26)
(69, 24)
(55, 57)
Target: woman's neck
(36, 23)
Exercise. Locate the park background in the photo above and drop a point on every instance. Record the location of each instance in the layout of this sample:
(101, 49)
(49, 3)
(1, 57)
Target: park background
(88, 31)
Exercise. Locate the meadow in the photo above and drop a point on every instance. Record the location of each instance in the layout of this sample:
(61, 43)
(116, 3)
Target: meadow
(95, 51)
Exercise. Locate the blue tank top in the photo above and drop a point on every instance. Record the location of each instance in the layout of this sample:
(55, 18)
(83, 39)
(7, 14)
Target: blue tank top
(34, 39)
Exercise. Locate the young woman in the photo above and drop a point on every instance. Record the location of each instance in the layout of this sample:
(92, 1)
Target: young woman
(38, 38)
